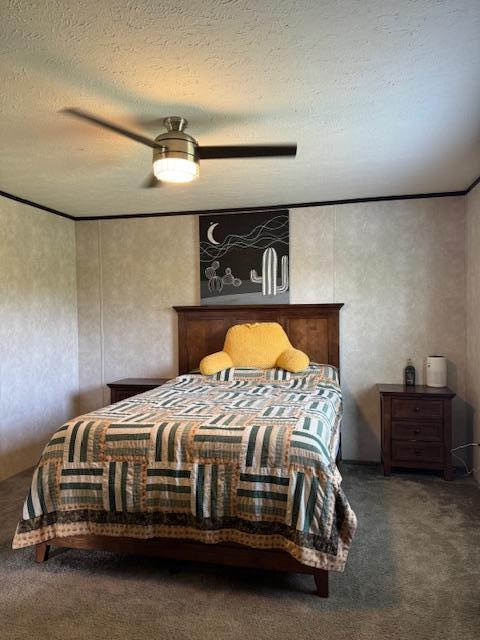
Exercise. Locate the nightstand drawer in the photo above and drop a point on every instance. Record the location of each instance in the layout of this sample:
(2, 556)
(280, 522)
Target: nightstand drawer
(128, 387)
(412, 451)
(124, 393)
(417, 409)
(431, 431)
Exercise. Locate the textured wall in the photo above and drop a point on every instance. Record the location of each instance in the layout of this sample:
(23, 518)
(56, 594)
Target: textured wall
(38, 331)
(473, 320)
(399, 267)
(130, 273)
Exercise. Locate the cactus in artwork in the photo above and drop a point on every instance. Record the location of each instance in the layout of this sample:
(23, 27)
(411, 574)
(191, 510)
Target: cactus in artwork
(215, 282)
(268, 279)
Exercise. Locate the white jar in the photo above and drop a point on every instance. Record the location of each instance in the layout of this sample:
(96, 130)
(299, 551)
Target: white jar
(436, 371)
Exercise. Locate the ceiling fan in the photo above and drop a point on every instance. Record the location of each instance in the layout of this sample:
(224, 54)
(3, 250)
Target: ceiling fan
(177, 155)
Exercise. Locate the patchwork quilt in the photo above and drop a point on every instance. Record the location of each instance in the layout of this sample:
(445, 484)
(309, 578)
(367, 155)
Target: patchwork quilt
(244, 456)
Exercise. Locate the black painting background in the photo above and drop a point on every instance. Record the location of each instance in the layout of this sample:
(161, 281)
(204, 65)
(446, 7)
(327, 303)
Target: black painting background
(240, 260)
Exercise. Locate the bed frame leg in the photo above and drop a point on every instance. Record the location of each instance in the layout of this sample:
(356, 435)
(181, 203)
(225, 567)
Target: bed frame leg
(41, 551)
(321, 582)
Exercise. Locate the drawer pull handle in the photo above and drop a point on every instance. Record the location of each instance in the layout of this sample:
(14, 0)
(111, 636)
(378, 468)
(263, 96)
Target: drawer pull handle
(417, 409)
(416, 431)
(417, 452)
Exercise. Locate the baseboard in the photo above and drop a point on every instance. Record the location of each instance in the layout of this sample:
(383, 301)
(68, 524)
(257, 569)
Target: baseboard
(364, 462)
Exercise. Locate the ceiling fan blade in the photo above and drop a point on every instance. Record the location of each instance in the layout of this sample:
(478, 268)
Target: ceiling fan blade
(78, 113)
(151, 182)
(247, 151)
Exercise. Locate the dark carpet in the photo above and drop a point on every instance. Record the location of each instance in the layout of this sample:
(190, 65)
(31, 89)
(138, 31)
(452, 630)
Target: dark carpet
(413, 572)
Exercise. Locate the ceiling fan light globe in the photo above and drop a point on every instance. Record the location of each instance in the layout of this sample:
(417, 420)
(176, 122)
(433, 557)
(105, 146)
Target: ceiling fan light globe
(175, 170)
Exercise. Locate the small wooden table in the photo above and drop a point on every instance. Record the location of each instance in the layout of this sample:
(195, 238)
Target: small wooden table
(128, 387)
(416, 427)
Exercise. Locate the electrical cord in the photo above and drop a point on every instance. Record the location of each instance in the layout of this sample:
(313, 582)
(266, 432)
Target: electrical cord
(464, 446)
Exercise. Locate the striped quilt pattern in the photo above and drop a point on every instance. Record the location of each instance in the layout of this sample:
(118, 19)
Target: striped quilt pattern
(244, 456)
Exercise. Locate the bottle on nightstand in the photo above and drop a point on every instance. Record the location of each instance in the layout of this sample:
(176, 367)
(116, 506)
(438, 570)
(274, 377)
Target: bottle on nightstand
(409, 374)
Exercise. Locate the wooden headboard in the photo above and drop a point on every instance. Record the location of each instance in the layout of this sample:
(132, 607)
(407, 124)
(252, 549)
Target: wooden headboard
(313, 328)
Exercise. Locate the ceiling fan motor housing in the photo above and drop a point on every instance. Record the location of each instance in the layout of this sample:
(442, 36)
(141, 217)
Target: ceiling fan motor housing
(177, 143)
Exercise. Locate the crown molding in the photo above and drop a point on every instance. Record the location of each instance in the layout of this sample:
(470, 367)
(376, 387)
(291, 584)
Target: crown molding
(31, 203)
(473, 185)
(275, 207)
(294, 205)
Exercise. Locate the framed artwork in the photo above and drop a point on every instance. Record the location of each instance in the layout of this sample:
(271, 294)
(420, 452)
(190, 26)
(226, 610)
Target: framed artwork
(244, 258)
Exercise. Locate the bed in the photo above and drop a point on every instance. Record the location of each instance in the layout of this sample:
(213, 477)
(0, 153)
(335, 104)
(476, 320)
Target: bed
(238, 468)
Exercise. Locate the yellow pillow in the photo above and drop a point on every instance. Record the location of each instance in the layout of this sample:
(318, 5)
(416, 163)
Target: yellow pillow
(261, 345)
(256, 345)
(293, 360)
(215, 362)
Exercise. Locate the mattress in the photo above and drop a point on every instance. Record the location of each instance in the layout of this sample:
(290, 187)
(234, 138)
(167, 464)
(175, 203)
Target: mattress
(244, 456)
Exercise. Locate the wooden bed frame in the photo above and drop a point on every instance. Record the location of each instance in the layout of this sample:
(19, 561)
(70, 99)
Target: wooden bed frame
(313, 328)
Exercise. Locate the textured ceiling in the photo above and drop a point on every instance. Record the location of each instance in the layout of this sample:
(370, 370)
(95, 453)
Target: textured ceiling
(383, 97)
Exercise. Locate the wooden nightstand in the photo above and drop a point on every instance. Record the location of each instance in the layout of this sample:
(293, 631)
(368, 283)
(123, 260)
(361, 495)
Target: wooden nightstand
(128, 387)
(416, 427)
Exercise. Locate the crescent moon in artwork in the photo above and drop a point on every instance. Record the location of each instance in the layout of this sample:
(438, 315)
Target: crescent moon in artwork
(210, 233)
